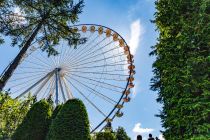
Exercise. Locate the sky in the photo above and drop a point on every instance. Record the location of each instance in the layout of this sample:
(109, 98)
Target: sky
(131, 19)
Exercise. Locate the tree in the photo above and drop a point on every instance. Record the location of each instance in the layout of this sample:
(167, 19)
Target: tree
(70, 123)
(105, 136)
(121, 134)
(12, 112)
(181, 71)
(56, 111)
(42, 21)
(36, 123)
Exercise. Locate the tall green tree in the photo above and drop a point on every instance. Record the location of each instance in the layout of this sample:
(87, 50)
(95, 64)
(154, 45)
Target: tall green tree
(71, 123)
(182, 68)
(12, 112)
(105, 136)
(42, 21)
(36, 123)
(121, 134)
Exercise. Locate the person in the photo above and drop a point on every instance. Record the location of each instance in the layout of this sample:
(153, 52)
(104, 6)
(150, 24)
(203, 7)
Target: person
(150, 137)
(139, 137)
(156, 138)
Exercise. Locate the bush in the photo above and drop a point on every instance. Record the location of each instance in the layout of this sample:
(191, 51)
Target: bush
(121, 134)
(71, 123)
(56, 111)
(12, 113)
(181, 70)
(35, 124)
(105, 136)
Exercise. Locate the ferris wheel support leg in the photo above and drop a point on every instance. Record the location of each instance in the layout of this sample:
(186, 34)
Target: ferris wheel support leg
(68, 91)
(27, 90)
(56, 86)
(43, 84)
(64, 98)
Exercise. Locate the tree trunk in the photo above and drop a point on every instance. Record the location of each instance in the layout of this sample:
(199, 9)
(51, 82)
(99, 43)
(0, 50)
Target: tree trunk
(14, 64)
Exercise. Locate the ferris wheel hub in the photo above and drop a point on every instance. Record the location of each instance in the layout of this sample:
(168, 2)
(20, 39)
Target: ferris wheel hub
(58, 69)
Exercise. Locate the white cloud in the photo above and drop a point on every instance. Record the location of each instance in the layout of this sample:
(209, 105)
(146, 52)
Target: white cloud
(135, 89)
(161, 137)
(139, 130)
(136, 34)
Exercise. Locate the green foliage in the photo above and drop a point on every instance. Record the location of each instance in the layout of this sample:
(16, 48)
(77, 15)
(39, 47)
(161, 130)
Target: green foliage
(56, 111)
(105, 136)
(12, 112)
(45, 22)
(53, 18)
(1, 40)
(181, 71)
(121, 134)
(36, 123)
(70, 123)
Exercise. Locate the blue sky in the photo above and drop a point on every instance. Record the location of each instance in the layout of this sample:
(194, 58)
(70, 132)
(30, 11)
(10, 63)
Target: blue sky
(131, 19)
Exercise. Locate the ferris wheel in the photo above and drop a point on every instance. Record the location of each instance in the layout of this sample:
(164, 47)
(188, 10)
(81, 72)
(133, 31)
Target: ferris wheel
(100, 72)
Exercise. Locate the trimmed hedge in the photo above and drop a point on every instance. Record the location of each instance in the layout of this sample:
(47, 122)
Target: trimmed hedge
(35, 124)
(71, 123)
(182, 68)
(56, 111)
(105, 136)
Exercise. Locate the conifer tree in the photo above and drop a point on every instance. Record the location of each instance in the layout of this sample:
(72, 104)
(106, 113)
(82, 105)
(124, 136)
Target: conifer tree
(45, 22)
(182, 69)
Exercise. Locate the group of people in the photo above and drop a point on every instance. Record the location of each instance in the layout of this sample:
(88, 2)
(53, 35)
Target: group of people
(139, 137)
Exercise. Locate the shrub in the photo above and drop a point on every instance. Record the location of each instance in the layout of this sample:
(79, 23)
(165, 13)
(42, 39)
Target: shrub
(35, 124)
(181, 70)
(71, 123)
(105, 136)
(56, 111)
(12, 113)
(121, 134)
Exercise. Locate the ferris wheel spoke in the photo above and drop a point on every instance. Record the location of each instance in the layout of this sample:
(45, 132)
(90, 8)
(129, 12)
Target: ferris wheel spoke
(34, 68)
(92, 51)
(111, 89)
(102, 96)
(29, 81)
(102, 86)
(47, 88)
(99, 60)
(35, 63)
(61, 87)
(111, 74)
(95, 56)
(43, 84)
(27, 90)
(70, 55)
(40, 60)
(28, 72)
(35, 75)
(68, 91)
(88, 46)
(110, 79)
(98, 66)
(88, 49)
(86, 98)
(73, 56)
(52, 89)
(96, 81)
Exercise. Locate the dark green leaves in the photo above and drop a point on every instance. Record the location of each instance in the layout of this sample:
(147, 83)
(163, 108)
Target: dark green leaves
(181, 71)
(70, 123)
(36, 123)
(12, 112)
(19, 18)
